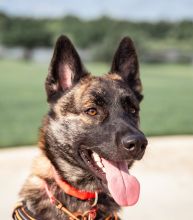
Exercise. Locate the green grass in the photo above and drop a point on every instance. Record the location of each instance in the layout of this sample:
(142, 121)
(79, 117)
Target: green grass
(167, 108)
(168, 105)
(22, 102)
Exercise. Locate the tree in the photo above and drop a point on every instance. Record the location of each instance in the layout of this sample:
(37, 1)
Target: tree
(27, 33)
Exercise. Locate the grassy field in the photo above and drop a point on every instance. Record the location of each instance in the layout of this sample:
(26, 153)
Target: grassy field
(166, 110)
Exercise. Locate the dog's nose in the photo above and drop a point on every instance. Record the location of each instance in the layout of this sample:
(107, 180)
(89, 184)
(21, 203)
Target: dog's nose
(135, 144)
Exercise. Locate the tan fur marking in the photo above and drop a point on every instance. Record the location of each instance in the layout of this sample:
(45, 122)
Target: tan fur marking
(41, 141)
(42, 167)
(114, 76)
(83, 88)
(36, 181)
(57, 109)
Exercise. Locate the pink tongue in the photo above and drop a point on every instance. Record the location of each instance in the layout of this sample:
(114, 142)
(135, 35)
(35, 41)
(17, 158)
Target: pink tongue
(123, 187)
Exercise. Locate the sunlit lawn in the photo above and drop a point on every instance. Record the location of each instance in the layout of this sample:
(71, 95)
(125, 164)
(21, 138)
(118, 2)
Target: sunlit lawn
(167, 108)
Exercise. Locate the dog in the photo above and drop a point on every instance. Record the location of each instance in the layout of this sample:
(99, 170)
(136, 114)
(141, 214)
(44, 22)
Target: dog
(88, 140)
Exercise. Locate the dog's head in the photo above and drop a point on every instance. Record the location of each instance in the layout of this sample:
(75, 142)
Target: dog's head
(92, 131)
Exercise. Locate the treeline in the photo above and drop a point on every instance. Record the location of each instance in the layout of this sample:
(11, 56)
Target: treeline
(156, 42)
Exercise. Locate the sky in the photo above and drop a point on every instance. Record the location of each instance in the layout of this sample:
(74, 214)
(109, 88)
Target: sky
(150, 10)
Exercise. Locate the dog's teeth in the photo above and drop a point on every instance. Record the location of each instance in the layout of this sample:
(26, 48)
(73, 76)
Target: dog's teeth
(96, 157)
(98, 161)
(103, 169)
(99, 164)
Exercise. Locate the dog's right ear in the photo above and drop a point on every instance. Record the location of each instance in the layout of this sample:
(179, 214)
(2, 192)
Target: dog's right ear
(65, 69)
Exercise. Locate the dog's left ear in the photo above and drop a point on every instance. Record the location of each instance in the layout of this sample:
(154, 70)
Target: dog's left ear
(65, 69)
(125, 64)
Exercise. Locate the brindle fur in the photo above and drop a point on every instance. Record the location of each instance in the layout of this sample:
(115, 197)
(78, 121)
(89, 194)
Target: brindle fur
(71, 90)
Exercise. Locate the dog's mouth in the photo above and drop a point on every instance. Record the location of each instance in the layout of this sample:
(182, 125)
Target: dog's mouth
(123, 187)
(94, 162)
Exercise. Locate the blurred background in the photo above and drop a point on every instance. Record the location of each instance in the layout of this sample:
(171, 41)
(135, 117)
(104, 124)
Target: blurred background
(163, 34)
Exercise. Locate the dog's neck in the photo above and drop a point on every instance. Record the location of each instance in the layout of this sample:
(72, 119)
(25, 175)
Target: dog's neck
(38, 201)
(72, 191)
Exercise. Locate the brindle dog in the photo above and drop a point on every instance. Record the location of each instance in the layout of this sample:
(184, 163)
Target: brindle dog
(90, 136)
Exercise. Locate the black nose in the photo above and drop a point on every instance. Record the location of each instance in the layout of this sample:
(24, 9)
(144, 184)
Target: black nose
(135, 144)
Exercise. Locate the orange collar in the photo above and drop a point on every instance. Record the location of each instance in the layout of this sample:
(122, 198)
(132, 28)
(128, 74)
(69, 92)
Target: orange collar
(72, 191)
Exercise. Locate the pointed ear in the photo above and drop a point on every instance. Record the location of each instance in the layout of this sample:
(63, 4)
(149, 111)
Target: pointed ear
(125, 64)
(65, 69)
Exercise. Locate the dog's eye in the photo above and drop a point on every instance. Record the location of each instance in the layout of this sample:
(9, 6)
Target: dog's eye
(91, 111)
(133, 111)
